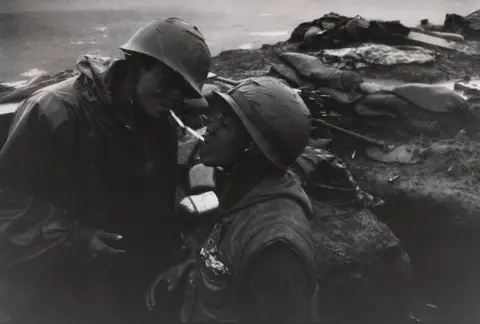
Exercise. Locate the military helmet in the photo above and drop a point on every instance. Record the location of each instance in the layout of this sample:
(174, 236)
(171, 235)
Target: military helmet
(274, 115)
(177, 44)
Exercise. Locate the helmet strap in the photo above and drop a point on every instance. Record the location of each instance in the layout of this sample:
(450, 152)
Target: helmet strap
(125, 82)
(251, 152)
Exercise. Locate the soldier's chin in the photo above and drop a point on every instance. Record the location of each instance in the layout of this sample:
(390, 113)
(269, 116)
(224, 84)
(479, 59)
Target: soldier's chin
(208, 163)
(156, 112)
(206, 158)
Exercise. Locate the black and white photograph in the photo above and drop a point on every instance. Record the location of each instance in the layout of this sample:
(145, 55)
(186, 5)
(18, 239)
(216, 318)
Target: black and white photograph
(239, 162)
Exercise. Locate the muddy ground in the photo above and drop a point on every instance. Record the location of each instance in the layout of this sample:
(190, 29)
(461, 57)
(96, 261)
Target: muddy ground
(434, 205)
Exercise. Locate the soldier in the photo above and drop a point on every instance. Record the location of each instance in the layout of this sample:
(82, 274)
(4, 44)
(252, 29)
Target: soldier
(97, 152)
(257, 264)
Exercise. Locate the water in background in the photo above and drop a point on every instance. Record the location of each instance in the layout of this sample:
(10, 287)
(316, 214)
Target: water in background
(38, 36)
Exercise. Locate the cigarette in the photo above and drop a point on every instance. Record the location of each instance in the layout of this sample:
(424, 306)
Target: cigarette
(188, 129)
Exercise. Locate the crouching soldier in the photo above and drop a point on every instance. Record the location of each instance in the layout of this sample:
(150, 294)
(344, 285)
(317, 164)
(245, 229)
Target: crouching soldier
(257, 264)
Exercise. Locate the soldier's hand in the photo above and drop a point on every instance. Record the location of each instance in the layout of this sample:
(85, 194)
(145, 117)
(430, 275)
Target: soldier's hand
(171, 277)
(98, 243)
(150, 294)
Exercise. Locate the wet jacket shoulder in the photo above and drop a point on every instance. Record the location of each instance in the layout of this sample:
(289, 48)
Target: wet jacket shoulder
(45, 130)
(42, 128)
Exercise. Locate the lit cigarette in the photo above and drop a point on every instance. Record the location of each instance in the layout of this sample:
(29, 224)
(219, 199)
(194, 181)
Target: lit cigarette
(188, 129)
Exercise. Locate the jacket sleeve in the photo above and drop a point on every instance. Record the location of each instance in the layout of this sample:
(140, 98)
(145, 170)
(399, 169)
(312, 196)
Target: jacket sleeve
(276, 288)
(33, 165)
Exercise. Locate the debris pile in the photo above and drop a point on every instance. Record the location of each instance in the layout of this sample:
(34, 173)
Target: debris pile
(334, 31)
(469, 26)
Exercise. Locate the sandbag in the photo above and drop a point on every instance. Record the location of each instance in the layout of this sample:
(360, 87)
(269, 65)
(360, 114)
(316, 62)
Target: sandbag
(384, 103)
(434, 98)
(312, 68)
(289, 74)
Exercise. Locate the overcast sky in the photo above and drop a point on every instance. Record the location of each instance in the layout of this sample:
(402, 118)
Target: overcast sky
(389, 8)
(54, 5)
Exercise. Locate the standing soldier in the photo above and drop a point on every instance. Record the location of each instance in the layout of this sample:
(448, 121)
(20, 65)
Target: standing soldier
(96, 152)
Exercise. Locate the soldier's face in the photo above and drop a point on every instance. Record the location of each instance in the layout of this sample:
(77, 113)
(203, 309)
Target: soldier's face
(159, 89)
(226, 140)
